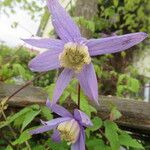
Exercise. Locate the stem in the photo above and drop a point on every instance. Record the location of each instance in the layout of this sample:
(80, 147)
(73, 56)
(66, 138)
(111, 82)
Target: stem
(106, 139)
(24, 86)
(79, 92)
(10, 128)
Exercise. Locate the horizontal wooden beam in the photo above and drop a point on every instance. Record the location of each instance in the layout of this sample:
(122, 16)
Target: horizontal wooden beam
(135, 113)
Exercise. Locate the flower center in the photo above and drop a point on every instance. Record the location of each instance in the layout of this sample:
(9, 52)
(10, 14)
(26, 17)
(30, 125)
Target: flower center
(74, 56)
(69, 131)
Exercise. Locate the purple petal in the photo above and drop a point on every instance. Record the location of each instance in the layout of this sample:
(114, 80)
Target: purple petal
(50, 44)
(83, 119)
(114, 44)
(88, 82)
(56, 136)
(65, 27)
(46, 61)
(49, 125)
(42, 129)
(62, 83)
(80, 144)
(56, 121)
(58, 109)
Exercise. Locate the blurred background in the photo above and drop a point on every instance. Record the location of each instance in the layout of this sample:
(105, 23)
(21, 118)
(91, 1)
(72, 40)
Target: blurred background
(125, 74)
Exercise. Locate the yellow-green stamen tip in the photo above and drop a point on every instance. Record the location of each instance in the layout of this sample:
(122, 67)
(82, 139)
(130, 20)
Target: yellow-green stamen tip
(69, 131)
(74, 56)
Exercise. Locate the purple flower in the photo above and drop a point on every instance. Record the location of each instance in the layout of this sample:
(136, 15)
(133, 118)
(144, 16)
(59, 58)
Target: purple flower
(68, 127)
(73, 52)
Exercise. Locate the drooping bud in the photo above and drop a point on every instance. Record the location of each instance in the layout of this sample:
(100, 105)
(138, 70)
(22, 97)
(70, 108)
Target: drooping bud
(74, 56)
(69, 131)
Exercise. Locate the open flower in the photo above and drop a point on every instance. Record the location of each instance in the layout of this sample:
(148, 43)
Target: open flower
(68, 127)
(73, 52)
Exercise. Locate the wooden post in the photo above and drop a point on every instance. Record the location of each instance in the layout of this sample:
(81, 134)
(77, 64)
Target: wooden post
(135, 114)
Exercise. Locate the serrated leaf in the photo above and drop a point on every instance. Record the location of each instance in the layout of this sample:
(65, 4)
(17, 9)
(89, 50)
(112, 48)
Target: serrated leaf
(12, 118)
(45, 111)
(115, 114)
(23, 138)
(29, 117)
(126, 140)
(97, 123)
(9, 148)
(112, 135)
(97, 144)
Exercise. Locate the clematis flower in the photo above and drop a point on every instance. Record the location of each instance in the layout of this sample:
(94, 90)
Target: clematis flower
(73, 52)
(68, 127)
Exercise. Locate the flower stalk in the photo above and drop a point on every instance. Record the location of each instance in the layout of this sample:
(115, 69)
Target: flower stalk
(79, 93)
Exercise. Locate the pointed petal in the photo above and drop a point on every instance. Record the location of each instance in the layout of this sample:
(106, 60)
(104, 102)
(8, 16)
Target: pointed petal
(83, 119)
(114, 44)
(80, 144)
(50, 44)
(56, 136)
(61, 111)
(65, 27)
(88, 82)
(56, 121)
(41, 129)
(49, 125)
(62, 83)
(46, 61)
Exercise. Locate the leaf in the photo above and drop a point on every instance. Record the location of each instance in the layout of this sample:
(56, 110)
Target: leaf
(112, 135)
(56, 146)
(25, 136)
(116, 2)
(46, 112)
(9, 148)
(97, 144)
(29, 117)
(115, 114)
(126, 140)
(97, 123)
(12, 118)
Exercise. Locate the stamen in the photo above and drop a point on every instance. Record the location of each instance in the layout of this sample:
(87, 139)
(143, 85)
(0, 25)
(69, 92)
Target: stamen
(69, 131)
(74, 56)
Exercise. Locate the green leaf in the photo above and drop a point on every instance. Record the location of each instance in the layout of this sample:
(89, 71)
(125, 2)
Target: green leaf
(25, 136)
(112, 135)
(115, 114)
(97, 123)
(15, 116)
(9, 148)
(97, 144)
(45, 111)
(126, 140)
(116, 2)
(29, 117)
(56, 146)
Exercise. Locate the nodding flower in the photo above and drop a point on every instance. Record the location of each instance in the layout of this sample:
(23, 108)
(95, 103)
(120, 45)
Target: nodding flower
(67, 127)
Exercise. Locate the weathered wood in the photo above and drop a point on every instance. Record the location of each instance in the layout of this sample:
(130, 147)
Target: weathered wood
(136, 114)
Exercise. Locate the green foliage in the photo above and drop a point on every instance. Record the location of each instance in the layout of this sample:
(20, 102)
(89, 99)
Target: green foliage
(25, 136)
(127, 85)
(13, 64)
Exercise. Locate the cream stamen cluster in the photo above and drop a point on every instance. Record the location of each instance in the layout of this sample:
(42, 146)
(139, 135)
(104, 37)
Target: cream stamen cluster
(74, 56)
(69, 131)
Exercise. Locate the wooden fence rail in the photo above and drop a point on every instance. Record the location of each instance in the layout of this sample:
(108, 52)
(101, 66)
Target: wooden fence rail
(135, 114)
